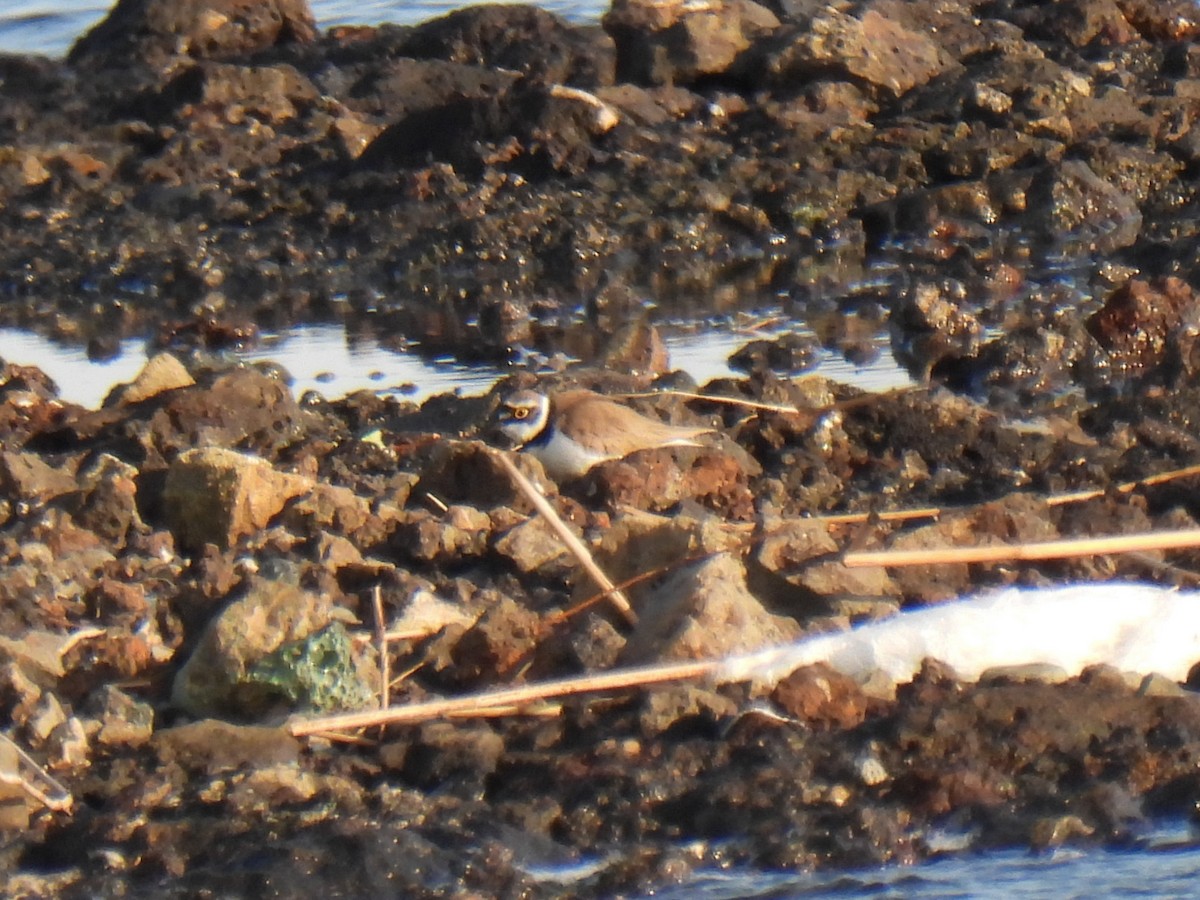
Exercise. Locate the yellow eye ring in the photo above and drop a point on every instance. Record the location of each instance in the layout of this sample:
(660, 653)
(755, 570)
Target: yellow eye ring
(520, 413)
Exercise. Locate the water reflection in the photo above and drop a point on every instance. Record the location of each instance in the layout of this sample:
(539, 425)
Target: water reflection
(325, 359)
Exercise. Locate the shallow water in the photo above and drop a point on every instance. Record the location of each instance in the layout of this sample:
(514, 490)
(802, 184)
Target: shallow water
(1165, 865)
(322, 358)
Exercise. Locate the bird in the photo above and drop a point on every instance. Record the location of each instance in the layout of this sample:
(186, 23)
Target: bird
(572, 431)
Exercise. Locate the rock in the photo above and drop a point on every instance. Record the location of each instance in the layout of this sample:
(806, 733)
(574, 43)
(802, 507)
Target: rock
(791, 569)
(1041, 672)
(26, 477)
(678, 43)
(788, 354)
(272, 95)
(704, 611)
(327, 508)
(871, 48)
(68, 747)
(1071, 200)
(425, 614)
(530, 129)
(48, 716)
(821, 697)
(242, 408)
(269, 789)
(638, 543)
(682, 706)
(216, 496)
(461, 532)
(219, 678)
(659, 479)
(928, 325)
(124, 722)
(532, 546)
(505, 635)
(108, 502)
(152, 32)
(212, 746)
(468, 472)
(162, 372)
(1139, 322)
(499, 36)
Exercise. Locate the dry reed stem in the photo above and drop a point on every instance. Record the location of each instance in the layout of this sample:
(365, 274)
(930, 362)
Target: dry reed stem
(381, 637)
(934, 512)
(487, 702)
(38, 784)
(1060, 549)
(576, 546)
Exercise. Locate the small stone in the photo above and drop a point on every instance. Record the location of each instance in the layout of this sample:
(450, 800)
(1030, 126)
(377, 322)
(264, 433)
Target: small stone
(218, 677)
(215, 496)
(124, 722)
(704, 611)
(68, 747)
(531, 546)
(162, 372)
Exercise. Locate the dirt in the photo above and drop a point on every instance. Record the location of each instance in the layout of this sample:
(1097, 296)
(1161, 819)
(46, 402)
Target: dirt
(1008, 195)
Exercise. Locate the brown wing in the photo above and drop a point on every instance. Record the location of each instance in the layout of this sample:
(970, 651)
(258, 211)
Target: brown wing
(615, 429)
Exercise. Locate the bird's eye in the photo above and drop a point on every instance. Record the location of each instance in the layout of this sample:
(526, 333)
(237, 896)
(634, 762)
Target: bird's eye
(520, 413)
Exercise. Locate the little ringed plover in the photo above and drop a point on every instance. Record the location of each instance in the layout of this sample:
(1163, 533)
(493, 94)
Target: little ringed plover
(574, 430)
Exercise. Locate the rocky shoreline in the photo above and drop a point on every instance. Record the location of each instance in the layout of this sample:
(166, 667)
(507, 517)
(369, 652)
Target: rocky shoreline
(1009, 191)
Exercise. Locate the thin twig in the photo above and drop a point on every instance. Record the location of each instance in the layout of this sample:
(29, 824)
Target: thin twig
(576, 546)
(934, 512)
(1060, 549)
(1127, 487)
(381, 638)
(40, 784)
(731, 401)
(488, 701)
(895, 515)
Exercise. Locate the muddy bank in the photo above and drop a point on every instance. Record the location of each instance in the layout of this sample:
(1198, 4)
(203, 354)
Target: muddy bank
(204, 557)
(1009, 194)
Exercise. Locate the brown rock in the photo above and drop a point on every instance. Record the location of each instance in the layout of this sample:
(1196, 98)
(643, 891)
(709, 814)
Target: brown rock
(14, 811)
(151, 32)
(214, 680)
(242, 408)
(426, 536)
(445, 750)
(124, 722)
(531, 546)
(26, 477)
(108, 504)
(705, 611)
(821, 697)
(216, 496)
(677, 42)
(1138, 321)
(1071, 199)
(162, 372)
(873, 49)
(269, 94)
(505, 634)
(668, 707)
(498, 36)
